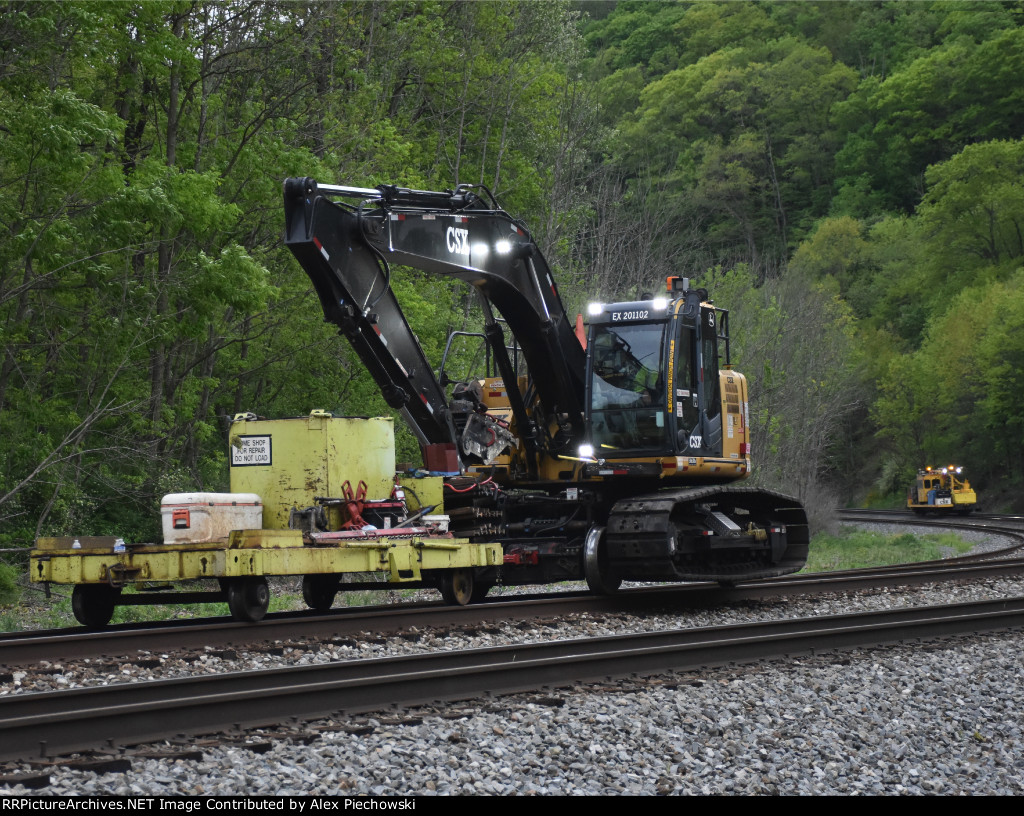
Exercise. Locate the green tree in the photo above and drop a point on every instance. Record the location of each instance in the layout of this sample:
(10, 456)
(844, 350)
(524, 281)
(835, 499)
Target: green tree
(974, 207)
(795, 340)
(947, 98)
(145, 296)
(744, 136)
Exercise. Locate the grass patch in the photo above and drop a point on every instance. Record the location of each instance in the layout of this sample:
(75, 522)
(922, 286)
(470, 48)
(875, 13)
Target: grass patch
(854, 548)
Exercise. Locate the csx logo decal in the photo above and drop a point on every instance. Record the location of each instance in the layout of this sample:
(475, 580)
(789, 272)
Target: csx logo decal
(458, 240)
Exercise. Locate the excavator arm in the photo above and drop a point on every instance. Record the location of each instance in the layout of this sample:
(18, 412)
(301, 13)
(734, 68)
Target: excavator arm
(346, 239)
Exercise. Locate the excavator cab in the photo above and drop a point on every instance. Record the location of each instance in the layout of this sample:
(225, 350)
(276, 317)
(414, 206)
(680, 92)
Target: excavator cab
(627, 381)
(653, 378)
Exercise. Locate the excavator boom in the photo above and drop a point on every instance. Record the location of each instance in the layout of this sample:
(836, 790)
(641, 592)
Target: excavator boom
(346, 238)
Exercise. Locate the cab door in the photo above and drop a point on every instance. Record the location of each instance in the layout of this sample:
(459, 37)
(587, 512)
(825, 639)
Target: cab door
(695, 398)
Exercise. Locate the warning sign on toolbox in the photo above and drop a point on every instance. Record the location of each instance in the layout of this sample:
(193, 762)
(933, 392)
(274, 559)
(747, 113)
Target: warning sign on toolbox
(251, 450)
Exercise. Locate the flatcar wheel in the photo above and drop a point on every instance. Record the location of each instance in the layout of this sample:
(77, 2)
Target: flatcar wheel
(480, 590)
(93, 604)
(318, 591)
(248, 598)
(600, 578)
(457, 586)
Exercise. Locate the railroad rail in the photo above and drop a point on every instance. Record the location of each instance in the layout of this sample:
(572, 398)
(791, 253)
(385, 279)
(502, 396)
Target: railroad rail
(1002, 523)
(56, 723)
(28, 648)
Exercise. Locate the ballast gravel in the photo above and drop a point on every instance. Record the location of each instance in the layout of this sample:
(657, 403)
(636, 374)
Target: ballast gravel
(936, 719)
(941, 717)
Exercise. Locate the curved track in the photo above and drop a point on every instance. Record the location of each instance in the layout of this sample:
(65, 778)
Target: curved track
(1010, 527)
(26, 648)
(54, 723)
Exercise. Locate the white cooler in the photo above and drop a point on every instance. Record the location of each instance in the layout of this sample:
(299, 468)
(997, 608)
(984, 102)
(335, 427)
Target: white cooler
(205, 518)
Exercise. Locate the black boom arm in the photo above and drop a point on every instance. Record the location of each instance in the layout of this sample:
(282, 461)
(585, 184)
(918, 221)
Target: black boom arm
(345, 248)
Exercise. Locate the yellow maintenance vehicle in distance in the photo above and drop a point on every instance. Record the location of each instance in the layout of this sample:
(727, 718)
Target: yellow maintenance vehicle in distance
(941, 491)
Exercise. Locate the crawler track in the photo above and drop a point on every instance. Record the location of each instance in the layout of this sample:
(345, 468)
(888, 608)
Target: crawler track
(641, 527)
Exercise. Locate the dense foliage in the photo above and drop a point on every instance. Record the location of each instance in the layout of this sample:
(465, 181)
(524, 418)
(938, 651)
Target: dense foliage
(845, 177)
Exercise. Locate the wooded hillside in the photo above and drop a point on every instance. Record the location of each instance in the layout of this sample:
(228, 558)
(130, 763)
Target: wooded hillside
(846, 178)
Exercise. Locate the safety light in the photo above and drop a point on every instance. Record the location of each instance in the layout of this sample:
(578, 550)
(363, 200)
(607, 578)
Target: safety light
(586, 451)
(660, 303)
(595, 308)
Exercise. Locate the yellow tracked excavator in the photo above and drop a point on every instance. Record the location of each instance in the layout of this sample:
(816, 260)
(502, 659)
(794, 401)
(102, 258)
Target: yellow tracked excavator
(608, 452)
